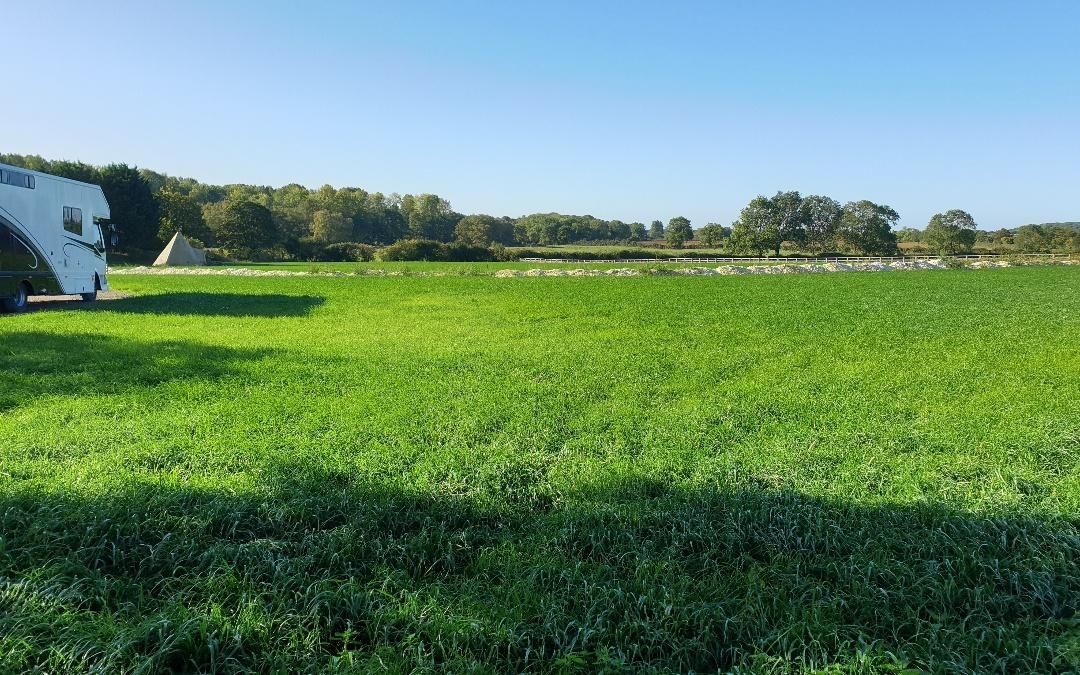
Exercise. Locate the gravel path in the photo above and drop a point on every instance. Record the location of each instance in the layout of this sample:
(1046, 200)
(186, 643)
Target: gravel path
(45, 302)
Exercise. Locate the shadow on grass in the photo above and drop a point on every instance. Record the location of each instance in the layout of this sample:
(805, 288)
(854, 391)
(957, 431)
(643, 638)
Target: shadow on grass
(36, 363)
(215, 304)
(322, 571)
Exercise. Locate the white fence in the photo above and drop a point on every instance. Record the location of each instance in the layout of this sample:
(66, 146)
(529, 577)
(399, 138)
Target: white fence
(845, 259)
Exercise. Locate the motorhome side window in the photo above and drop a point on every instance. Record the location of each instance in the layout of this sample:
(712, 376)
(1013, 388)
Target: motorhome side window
(73, 220)
(17, 178)
(14, 254)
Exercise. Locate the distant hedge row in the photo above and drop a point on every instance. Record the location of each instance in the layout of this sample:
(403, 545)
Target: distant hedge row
(436, 251)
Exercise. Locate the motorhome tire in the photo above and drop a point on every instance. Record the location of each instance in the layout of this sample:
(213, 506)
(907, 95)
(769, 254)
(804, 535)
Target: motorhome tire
(88, 297)
(17, 302)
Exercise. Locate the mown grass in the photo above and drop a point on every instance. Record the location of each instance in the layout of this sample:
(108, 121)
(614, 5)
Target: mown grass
(855, 472)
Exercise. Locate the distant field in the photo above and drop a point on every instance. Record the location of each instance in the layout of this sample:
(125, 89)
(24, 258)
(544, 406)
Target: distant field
(869, 472)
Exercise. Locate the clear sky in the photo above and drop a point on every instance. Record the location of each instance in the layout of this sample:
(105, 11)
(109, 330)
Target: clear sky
(620, 109)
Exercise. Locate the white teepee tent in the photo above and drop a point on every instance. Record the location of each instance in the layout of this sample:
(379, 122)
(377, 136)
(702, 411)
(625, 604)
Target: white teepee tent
(179, 252)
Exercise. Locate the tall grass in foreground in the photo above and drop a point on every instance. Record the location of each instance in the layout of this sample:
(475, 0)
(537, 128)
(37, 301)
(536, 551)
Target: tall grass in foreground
(862, 472)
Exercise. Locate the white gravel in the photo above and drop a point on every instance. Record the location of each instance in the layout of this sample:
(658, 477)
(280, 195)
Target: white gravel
(729, 270)
(207, 271)
(722, 270)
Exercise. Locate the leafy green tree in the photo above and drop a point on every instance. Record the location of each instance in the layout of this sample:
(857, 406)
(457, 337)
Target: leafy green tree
(1032, 239)
(203, 194)
(242, 225)
(712, 234)
(32, 162)
(546, 229)
(262, 195)
(1074, 242)
(75, 171)
(539, 228)
(638, 232)
(678, 232)
(429, 217)
(909, 235)
(866, 228)
(656, 230)
(330, 227)
(292, 222)
(767, 222)
(1065, 239)
(474, 230)
(379, 221)
(483, 230)
(1047, 238)
(788, 212)
(327, 198)
(820, 219)
(133, 207)
(756, 230)
(156, 181)
(618, 230)
(951, 232)
(180, 213)
(1002, 237)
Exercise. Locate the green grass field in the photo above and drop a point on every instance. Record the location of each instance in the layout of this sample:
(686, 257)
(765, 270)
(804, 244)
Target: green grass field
(849, 472)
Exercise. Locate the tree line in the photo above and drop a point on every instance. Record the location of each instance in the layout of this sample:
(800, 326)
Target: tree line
(297, 222)
(1032, 238)
(148, 207)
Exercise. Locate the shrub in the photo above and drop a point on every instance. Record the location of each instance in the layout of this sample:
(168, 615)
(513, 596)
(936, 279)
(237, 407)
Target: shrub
(412, 250)
(502, 254)
(246, 254)
(241, 253)
(591, 255)
(217, 256)
(313, 250)
(133, 256)
(459, 252)
(346, 251)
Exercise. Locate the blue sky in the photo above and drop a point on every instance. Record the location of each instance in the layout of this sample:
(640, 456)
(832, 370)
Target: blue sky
(623, 110)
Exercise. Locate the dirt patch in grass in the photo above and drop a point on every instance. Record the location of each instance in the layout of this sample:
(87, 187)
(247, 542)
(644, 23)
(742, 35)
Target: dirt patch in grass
(39, 303)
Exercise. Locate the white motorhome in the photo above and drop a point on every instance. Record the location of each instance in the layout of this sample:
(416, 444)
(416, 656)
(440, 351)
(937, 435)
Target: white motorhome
(51, 241)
